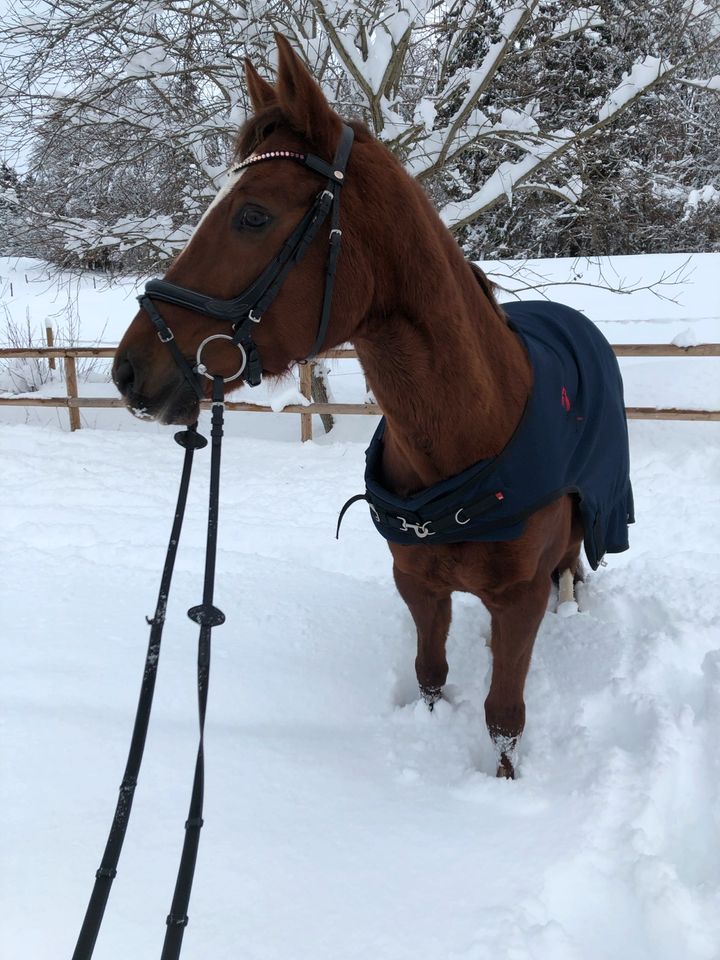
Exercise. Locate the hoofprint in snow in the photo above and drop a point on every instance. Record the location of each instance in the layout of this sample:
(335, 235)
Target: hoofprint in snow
(343, 820)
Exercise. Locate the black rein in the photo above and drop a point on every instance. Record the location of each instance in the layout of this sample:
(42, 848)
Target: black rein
(207, 616)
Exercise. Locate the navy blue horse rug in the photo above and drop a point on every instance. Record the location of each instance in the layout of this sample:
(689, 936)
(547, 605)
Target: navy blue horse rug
(572, 438)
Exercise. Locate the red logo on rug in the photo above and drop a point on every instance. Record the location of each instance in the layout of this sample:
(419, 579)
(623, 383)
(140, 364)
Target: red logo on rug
(565, 400)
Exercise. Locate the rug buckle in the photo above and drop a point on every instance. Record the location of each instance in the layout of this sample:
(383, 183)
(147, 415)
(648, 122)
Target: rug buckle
(419, 529)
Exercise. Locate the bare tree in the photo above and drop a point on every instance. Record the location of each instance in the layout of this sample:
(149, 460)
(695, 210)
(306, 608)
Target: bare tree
(127, 108)
(439, 83)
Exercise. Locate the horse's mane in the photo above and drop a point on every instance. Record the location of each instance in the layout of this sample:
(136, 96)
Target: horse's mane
(487, 287)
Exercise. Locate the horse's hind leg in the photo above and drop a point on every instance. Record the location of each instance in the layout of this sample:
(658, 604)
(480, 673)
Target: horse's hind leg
(570, 570)
(431, 613)
(566, 587)
(515, 621)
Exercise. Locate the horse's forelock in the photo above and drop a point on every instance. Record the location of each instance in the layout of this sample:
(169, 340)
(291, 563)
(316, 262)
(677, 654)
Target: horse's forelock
(260, 125)
(256, 129)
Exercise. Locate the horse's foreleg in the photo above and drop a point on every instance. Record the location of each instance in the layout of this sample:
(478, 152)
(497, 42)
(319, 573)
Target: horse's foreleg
(515, 621)
(431, 613)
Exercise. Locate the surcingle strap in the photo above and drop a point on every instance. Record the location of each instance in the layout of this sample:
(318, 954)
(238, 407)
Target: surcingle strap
(420, 523)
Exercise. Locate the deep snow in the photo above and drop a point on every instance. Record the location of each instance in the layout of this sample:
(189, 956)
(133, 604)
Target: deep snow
(342, 819)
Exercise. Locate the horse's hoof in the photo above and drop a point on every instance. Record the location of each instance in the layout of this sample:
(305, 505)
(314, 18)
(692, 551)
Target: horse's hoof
(506, 751)
(431, 695)
(506, 769)
(567, 608)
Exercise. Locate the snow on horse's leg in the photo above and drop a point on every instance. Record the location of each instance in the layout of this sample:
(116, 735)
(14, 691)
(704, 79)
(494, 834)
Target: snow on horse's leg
(506, 752)
(567, 605)
(566, 590)
(430, 695)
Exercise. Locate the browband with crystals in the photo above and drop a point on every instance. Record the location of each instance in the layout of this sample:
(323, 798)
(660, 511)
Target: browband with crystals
(334, 172)
(271, 155)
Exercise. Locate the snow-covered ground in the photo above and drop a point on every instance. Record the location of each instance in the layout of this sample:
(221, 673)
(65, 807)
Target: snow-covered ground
(342, 819)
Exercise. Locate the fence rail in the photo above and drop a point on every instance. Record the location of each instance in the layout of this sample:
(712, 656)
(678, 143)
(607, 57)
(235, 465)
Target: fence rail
(75, 403)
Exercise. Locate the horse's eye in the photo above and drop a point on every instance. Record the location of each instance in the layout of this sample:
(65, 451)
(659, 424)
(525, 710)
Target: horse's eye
(251, 218)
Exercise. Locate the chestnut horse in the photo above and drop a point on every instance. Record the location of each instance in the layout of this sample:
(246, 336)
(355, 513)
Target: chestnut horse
(450, 374)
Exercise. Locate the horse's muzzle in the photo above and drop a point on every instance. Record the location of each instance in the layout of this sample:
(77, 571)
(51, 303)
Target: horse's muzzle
(123, 374)
(175, 402)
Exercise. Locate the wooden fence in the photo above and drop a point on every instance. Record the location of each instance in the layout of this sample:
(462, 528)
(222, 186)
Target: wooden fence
(75, 403)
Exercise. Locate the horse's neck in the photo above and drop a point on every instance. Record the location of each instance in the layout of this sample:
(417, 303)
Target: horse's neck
(452, 380)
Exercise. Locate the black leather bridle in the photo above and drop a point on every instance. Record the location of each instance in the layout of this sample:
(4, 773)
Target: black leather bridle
(246, 310)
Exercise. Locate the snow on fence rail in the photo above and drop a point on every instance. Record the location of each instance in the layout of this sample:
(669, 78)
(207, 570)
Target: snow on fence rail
(73, 402)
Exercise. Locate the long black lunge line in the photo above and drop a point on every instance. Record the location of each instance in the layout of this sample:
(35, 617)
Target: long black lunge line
(207, 616)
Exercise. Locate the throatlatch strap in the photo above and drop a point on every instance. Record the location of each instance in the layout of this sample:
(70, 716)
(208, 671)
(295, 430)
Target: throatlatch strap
(191, 441)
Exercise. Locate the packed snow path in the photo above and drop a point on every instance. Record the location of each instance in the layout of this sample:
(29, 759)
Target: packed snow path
(343, 821)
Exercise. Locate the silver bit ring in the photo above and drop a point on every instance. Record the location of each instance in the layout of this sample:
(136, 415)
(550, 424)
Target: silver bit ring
(200, 366)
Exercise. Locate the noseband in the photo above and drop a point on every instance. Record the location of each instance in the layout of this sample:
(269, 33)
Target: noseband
(245, 311)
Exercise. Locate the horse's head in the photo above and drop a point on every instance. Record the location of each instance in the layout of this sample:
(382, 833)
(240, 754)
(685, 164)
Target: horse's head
(260, 252)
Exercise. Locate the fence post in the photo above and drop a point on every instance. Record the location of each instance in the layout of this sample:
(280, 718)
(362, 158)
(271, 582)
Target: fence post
(50, 337)
(72, 391)
(306, 391)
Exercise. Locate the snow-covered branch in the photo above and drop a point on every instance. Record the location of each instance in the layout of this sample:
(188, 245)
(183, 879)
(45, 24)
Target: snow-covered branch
(372, 47)
(643, 76)
(478, 80)
(711, 83)
(123, 111)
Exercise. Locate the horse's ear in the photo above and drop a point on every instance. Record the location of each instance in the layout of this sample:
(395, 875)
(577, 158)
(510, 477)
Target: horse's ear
(303, 102)
(261, 93)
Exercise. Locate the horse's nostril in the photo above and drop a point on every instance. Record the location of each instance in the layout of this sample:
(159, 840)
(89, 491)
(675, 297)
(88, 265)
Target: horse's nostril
(124, 376)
